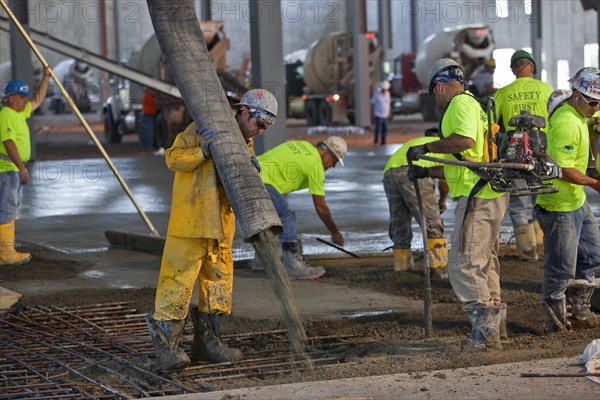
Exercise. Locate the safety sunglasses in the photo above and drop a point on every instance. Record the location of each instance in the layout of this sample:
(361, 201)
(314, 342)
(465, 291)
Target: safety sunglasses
(590, 103)
(263, 120)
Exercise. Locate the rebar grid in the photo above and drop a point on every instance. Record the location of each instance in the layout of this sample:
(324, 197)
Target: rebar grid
(104, 351)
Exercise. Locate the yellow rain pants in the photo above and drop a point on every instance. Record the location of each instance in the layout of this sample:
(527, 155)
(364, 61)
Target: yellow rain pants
(186, 260)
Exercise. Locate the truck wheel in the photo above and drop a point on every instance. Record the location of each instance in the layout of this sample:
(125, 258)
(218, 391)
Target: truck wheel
(111, 131)
(324, 113)
(311, 113)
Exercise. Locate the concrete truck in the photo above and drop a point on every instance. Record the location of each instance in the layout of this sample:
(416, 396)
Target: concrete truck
(469, 45)
(320, 79)
(122, 110)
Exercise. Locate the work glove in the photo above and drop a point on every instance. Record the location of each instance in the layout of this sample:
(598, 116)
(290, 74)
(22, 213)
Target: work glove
(416, 151)
(255, 163)
(596, 186)
(416, 172)
(206, 138)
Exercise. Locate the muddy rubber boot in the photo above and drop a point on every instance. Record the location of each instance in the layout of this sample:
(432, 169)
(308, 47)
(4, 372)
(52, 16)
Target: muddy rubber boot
(526, 242)
(207, 344)
(403, 260)
(485, 327)
(579, 294)
(165, 339)
(437, 251)
(503, 331)
(555, 314)
(295, 267)
(8, 254)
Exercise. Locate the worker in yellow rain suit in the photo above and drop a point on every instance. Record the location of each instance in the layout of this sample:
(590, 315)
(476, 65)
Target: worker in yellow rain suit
(199, 241)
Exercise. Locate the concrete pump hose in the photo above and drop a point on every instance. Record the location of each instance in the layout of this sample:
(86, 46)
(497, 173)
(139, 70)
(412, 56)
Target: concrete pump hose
(183, 46)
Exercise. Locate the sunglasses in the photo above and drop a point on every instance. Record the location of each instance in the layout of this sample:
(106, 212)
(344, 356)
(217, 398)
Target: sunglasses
(590, 103)
(261, 121)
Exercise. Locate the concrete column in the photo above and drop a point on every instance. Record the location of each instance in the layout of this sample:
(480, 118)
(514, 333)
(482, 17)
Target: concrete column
(20, 55)
(536, 35)
(362, 103)
(384, 11)
(203, 9)
(266, 47)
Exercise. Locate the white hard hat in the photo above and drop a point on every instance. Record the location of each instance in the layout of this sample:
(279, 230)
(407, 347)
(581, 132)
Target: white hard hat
(263, 101)
(445, 66)
(385, 85)
(587, 81)
(557, 98)
(337, 146)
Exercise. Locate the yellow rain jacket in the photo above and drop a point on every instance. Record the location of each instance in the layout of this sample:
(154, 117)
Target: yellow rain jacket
(200, 207)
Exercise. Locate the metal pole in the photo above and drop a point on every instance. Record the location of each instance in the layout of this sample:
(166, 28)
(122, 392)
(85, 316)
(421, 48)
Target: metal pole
(427, 284)
(89, 131)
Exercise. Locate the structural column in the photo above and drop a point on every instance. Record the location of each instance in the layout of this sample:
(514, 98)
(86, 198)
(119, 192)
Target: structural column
(362, 95)
(266, 47)
(20, 55)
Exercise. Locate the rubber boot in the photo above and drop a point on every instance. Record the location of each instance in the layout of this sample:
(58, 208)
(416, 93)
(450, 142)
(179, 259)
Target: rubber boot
(485, 327)
(295, 267)
(525, 238)
(403, 260)
(207, 344)
(579, 294)
(503, 331)
(165, 339)
(8, 254)
(539, 238)
(555, 315)
(437, 251)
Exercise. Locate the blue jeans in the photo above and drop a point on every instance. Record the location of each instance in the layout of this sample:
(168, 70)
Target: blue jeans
(147, 135)
(563, 259)
(286, 215)
(520, 209)
(11, 191)
(380, 128)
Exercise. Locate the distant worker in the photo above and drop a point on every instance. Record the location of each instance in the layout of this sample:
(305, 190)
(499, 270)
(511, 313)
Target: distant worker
(530, 94)
(402, 201)
(483, 82)
(293, 166)
(382, 110)
(15, 151)
(474, 266)
(199, 241)
(571, 235)
(149, 111)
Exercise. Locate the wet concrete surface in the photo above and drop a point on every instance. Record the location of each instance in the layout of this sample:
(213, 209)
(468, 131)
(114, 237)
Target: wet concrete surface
(70, 203)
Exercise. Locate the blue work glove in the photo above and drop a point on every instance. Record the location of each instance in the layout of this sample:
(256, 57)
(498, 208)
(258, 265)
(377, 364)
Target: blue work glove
(415, 152)
(416, 172)
(206, 138)
(255, 163)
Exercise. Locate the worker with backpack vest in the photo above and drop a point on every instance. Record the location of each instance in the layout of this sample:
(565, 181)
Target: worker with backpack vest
(473, 268)
(530, 94)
